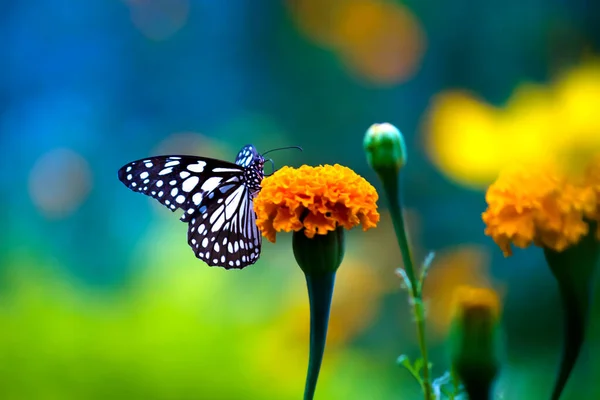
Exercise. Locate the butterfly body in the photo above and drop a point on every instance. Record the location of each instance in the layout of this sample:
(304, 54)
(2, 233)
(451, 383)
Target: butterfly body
(216, 197)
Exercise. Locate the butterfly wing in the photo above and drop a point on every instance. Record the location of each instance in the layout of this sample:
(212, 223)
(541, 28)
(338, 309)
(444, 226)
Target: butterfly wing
(224, 232)
(178, 182)
(217, 203)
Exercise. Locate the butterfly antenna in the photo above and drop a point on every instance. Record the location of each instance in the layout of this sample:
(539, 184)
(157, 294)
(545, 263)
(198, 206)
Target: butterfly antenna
(272, 165)
(282, 148)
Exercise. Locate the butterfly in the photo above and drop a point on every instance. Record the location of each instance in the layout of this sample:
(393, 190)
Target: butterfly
(216, 197)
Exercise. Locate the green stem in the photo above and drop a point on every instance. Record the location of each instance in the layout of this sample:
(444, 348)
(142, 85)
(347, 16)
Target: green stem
(391, 188)
(574, 270)
(575, 321)
(320, 292)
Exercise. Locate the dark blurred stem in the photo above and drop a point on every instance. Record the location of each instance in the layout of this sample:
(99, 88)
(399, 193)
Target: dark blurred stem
(320, 292)
(478, 390)
(574, 270)
(391, 188)
(575, 324)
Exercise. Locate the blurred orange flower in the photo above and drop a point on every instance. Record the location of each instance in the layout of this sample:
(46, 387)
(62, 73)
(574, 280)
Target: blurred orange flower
(541, 205)
(316, 199)
(381, 42)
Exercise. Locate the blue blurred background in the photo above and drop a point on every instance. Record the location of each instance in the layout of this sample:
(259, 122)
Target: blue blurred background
(100, 295)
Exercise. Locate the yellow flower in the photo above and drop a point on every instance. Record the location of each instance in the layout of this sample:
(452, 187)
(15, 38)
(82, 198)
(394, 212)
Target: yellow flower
(470, 140)
(316, 199)
(453, 267)
(539, 205)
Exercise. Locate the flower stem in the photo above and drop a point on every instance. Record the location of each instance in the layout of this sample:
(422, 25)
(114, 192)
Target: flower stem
(390, 185)
(320, 292)
(575, 270)
(391, 188)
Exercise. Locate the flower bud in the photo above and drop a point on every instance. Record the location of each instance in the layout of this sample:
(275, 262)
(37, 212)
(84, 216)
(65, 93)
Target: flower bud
(385, 148)
(474, 340)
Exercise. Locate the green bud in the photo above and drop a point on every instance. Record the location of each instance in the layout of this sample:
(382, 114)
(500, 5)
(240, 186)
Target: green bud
(474, 340)
(385, 148)
(321, 254)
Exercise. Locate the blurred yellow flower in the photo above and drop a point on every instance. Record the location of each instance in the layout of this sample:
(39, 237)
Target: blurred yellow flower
(468, 298)
(454, 267)
(472, 141)
(316, 199)
(359, 293)
(541, 205)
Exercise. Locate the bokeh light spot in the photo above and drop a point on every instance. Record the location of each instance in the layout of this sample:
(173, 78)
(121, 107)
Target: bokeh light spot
(192, 143)
(159, 19)
(378, 41)
(59, 182)
(314, 18)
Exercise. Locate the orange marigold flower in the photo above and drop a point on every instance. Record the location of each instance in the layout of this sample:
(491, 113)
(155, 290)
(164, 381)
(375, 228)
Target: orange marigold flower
(316, 199)
(538, 205)
(592, 180)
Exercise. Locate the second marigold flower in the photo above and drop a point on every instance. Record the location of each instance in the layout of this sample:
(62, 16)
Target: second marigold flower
(539, 205)
(316, 199)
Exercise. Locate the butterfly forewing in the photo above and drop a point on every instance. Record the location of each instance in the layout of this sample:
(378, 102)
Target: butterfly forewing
(178, 182)
(216, 197)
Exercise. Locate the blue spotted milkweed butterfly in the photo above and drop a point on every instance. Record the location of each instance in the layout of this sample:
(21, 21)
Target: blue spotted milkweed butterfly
(216, 197)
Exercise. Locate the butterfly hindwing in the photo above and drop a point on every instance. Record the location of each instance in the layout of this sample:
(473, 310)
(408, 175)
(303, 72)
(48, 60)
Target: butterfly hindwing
(224, 231)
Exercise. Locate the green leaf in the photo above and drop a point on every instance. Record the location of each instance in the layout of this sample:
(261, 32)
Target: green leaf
(414, 370)
(425, 270)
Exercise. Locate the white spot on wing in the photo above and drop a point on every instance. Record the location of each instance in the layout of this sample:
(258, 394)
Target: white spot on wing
(211, 184)
(197, 198)
(226, 170)
(199, 167)
(190, 183)
(166, 171)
